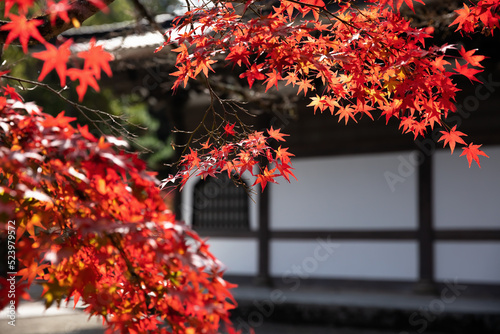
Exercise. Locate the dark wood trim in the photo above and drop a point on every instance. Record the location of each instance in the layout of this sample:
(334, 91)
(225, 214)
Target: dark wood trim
(438, 235)
(227, 234)
(358, 285)
(458, 235)
(361, 285)
(263, 277)
(425, 223)
(468, 235)
(364, 234)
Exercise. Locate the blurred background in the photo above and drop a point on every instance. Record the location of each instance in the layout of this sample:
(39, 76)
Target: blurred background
(380, 234)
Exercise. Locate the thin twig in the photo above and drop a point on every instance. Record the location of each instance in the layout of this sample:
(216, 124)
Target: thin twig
(118, 128)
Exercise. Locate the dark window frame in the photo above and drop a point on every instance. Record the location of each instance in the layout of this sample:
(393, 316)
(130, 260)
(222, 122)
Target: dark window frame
(220, 205)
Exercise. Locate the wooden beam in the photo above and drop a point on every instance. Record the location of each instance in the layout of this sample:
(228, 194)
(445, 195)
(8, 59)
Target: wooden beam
(346, 235)
(263, 276)
(425, 229)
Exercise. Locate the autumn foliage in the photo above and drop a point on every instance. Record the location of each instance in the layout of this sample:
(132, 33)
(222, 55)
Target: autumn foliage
(354, 62)
(90, 220)
(92, 224)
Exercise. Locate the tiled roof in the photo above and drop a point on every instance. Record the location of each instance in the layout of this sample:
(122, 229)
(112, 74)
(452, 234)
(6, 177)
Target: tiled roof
(122, 36)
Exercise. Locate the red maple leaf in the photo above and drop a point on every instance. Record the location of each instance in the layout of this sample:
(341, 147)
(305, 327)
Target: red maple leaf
(472, 152)
(409, 3)
(191, 159)
(229, 129)
(11, 92)
(245, 162)
(314, 3)
(84, 131)
(101, 5)
(252, 74)
(467, 71)
(55, 58)
(55, 9)
(60, 121)
(285, 171)
(23, 29)
(96, 59)
(86, 78)
(239, 54)
(22, 5)
(452, 137)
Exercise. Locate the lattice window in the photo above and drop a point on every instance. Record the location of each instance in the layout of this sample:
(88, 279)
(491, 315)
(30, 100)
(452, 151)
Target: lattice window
(220, 205)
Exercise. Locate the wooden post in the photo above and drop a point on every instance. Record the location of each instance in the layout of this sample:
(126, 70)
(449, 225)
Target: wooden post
(425, 232)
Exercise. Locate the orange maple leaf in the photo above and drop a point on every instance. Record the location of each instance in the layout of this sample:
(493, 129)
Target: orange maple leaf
(318, 102)
(206, 145)
(272, 79)
(304, 85)
(276, 134)
(29, 226)
(203, 65)
(266, 176)
(468, 56)
(440, 63)
(31, 272)
(346, 112)
(283, 155)
(463, 19)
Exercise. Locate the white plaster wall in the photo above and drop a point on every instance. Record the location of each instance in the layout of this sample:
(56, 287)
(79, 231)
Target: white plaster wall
(347, 192)
(467, 198)
(238, 255)
(324, 258)
(468, 261)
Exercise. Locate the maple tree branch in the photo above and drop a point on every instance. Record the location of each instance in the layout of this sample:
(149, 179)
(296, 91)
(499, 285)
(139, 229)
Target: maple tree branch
(146, 14)
(79, 10)
(322, 8)
(213, 95)
(118, 128)
(136, 277)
